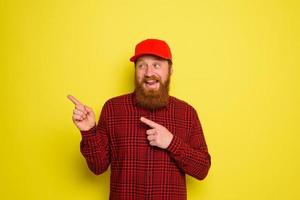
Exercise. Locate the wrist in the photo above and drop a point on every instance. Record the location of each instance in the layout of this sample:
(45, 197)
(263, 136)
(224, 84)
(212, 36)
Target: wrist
(170, 140)
(89, 131)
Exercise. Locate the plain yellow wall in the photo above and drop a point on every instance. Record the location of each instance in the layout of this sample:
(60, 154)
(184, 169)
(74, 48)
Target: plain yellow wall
(235, 61)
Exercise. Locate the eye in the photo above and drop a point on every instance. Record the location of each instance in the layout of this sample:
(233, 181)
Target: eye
(156, 65)
(141, 65)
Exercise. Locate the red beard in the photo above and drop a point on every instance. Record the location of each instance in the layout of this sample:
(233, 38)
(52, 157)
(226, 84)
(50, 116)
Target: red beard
(152, 99)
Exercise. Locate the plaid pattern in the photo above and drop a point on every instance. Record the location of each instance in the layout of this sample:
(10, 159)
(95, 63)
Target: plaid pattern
(138, 170)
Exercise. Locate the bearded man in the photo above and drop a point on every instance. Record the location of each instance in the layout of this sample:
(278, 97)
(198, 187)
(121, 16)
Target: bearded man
(149, 138)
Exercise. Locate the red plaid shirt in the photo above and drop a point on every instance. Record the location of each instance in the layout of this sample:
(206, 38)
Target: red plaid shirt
(138, 170)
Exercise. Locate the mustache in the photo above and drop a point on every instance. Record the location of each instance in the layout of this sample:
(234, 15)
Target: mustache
(151, 78)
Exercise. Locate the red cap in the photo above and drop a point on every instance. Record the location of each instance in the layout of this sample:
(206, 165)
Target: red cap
(152, 47)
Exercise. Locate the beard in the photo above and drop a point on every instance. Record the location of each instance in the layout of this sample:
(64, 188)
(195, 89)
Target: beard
(152, 99)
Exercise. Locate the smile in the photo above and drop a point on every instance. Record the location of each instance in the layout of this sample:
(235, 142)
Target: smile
(151, 84)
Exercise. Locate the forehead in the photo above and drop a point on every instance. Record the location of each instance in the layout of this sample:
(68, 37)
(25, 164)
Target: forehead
(149, 58)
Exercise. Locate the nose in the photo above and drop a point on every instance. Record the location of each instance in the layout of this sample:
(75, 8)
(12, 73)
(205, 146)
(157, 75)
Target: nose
(149, 71)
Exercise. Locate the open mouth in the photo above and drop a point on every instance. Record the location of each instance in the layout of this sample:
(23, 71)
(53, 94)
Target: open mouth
(151, 84)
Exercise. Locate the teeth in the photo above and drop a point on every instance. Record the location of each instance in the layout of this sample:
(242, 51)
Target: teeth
(151, 81)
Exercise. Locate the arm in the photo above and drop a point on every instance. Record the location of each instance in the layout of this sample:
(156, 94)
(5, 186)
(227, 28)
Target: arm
(192, 157)
(94, 146)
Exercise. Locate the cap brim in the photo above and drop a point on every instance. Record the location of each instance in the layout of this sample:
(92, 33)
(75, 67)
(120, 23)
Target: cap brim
(135, 57)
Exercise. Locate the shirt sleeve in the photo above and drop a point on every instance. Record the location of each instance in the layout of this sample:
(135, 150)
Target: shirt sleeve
(192, 156)
(94, 146)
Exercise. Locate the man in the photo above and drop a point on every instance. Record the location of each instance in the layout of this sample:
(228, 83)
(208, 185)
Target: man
(150, 139)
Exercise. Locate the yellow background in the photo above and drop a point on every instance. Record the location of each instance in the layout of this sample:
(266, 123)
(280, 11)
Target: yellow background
(235, 61)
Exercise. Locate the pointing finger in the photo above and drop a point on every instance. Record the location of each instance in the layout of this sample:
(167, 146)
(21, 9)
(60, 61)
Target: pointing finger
(74, 100)
(150, 123)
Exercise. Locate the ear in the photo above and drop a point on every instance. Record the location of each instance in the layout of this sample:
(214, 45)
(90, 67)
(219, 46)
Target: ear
(171, 70)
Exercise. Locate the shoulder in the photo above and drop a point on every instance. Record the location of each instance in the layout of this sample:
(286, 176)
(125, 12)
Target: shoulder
(181, 104)
(119, 102)
(120, 98)
(184, 110)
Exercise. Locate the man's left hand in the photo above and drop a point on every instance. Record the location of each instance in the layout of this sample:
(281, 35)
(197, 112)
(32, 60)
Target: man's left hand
(158, 135)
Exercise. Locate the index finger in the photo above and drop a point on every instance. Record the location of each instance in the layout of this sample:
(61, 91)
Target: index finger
(150, 123)
(74, 100)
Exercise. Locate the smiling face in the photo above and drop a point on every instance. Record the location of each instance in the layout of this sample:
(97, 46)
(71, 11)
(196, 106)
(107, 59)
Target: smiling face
(152, 77)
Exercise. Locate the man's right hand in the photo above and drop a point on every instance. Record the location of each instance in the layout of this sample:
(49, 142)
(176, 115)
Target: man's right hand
(83, 116)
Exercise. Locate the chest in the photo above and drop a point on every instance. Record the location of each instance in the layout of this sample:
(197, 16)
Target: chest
(128, 138)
